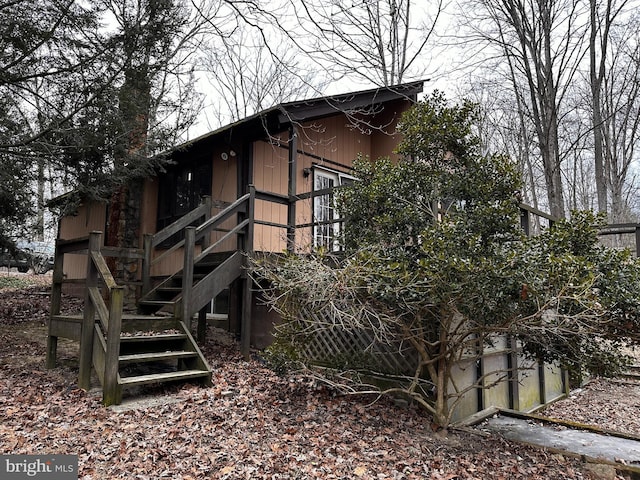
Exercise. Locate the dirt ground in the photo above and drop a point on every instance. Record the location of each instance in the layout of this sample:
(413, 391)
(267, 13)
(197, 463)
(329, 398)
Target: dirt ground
(251, 424)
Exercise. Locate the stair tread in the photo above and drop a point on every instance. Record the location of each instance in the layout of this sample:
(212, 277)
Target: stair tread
(162, 377)
(125, 316)
(151, 338)
(152, 356)
(156, 302)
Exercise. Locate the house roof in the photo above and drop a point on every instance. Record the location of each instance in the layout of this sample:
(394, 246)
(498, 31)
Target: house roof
(280, 117)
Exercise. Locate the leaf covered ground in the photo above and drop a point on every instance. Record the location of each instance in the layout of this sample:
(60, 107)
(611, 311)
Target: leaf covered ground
(252, 424)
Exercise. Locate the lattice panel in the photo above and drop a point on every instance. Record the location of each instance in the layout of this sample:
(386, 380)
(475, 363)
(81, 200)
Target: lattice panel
(330, 344)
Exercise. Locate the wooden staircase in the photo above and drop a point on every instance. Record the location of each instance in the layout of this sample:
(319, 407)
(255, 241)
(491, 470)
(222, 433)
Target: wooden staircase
(211, 275)
(125, 350)
(158, 350)
(155, 345)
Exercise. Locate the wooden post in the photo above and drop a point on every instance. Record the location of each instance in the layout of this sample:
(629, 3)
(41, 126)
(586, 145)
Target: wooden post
(514, 381)
(245, 333)
(202, 325)
(206, 240)
(88, 321)
(479, 374)
(637, 241)
(146, 263)
(187, 274)
(525, 221)
(56, 299)
(111, 391)
(292, 187)
(542, 384)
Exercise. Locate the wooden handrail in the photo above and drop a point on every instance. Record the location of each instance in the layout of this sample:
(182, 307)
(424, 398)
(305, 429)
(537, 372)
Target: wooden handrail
(237, 230)
(179, 224)
(110, 319)
(100, 307)
(220, 217)
(103, 270)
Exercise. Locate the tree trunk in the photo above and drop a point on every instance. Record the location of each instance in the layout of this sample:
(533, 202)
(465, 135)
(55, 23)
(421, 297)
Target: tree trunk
(596, 75)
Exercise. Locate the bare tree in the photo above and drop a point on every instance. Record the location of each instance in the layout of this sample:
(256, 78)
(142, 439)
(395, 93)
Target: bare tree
(620, 109)
(378, 41)
(248, 75)
(542, 42)
(602, 17)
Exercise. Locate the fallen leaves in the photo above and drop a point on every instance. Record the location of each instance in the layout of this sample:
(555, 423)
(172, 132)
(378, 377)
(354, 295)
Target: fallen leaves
(606, 403)
(252, 424)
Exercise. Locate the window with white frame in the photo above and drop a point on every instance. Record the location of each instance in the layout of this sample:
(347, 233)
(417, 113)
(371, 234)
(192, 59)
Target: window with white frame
(326, 228)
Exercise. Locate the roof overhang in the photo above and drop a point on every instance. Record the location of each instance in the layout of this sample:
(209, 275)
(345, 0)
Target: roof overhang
(282, 116)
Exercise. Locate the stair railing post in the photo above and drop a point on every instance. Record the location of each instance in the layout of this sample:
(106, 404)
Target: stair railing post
(88, 319)
(187, 274)
(56, 300)
(111, 390)
(146, 263)
(245, 332)
(206, 240)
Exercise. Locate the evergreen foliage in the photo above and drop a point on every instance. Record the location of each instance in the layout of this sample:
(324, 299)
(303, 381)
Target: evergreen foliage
(437, 260)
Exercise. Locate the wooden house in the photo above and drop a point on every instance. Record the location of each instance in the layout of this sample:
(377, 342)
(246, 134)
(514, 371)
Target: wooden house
(263, 183)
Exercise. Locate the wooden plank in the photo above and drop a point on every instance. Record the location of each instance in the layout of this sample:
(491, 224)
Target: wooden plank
(86, 340)
(272, 197)
(56, 300)
(99, 348)
(99, 305)
(119, 252)
(178, 225)
(215, 282)
(292, 188)
(103, 269)
(162, 377)
(156, 356)
(153, 338)
(535, 211)
(111, 392)
(187, 275)
(65, 329)
(73, 245)
(236, 207)
(235, 230)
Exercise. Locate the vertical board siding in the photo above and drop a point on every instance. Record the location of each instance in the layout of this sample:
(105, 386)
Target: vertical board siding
(90, 216)
(529, 380)
(149, 207)
(224, 190)
(270, 174)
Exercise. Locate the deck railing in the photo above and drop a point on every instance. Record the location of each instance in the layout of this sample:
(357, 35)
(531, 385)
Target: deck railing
(95, 349)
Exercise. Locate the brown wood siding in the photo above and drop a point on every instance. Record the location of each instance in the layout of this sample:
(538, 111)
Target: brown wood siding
(386, 139)
(149, 208)
(89, 217)
(270, 174)
(224, 190)
(338, 143)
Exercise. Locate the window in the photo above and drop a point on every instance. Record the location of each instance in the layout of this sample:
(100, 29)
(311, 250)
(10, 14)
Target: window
(180, 190)
(327, 228)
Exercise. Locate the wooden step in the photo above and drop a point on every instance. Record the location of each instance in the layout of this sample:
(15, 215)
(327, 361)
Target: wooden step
(156, 356)
(163, 377)
(154, 305)
(174, 290)
(153, 338)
